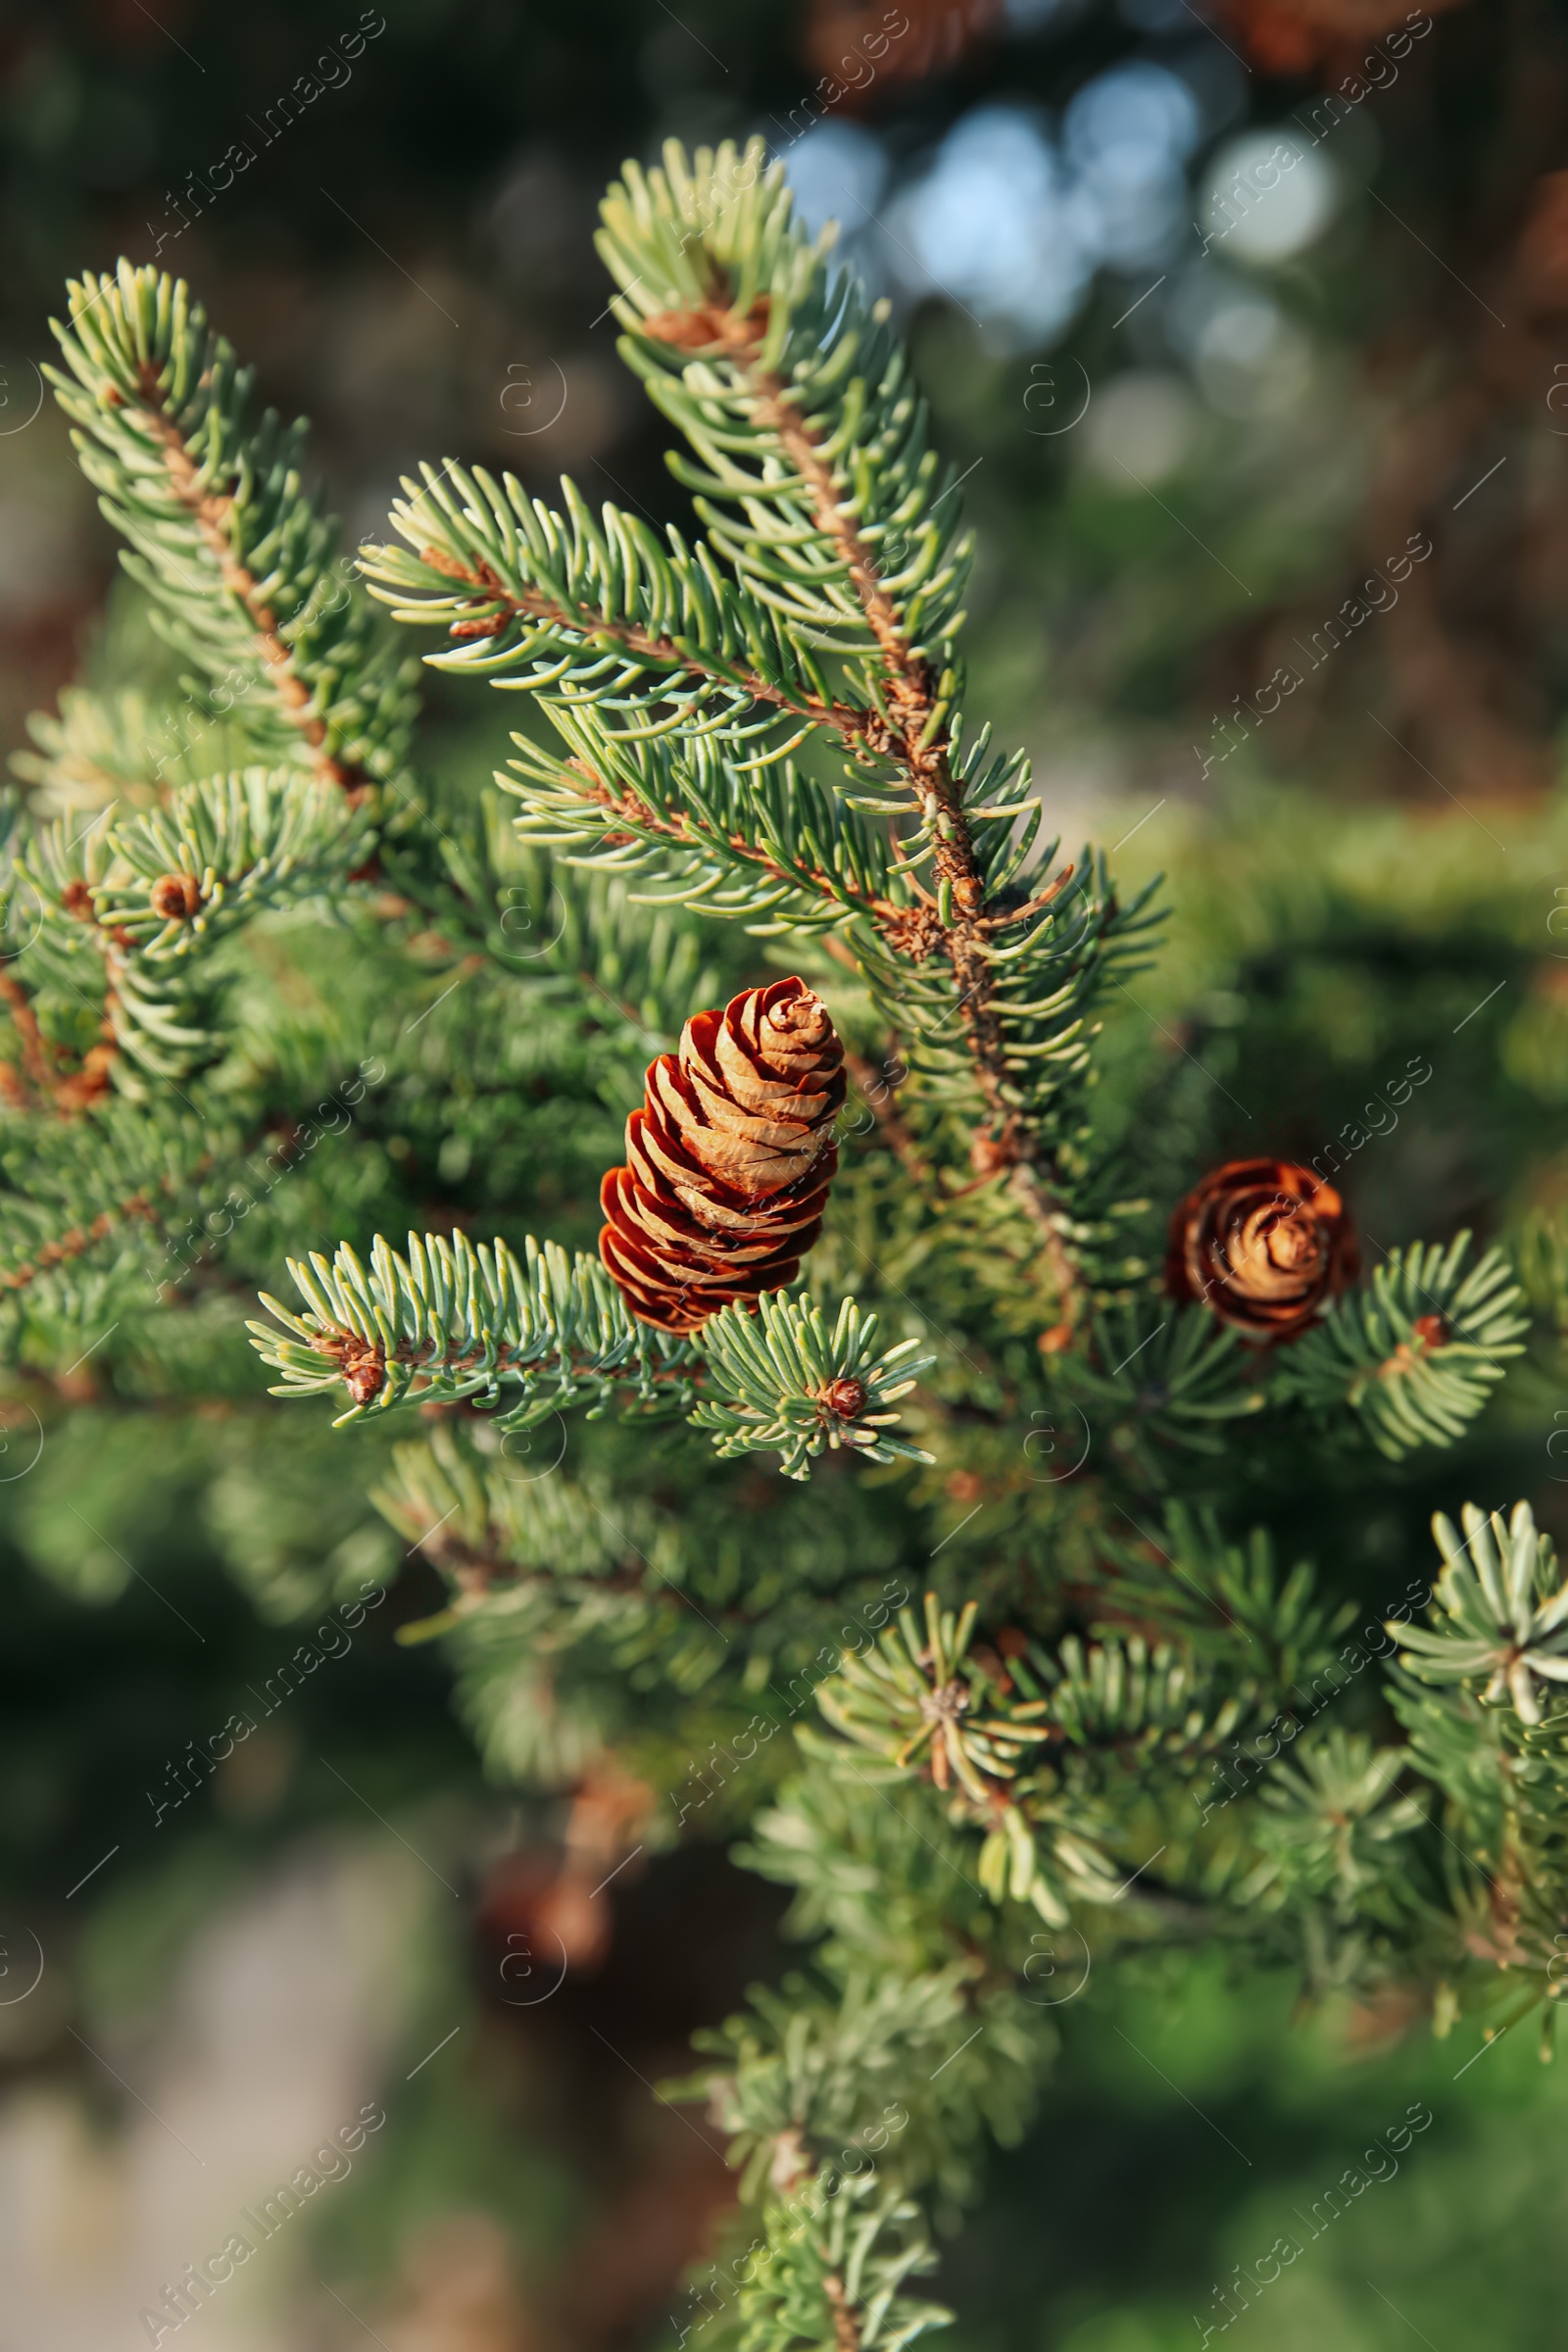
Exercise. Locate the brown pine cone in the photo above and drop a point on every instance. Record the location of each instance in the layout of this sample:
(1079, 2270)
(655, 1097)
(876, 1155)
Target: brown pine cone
(1265, 1243)
(728, 1161)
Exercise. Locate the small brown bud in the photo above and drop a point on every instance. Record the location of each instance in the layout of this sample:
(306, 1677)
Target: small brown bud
(988, 1153)
(175, 897)
(846, 1400)
(711, 325)
(77, 900)
(364, 1374)
(1430, 1330)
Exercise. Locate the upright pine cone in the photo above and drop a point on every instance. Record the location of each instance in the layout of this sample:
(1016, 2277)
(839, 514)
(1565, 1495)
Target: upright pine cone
(728, 1161)
(1265, 1242)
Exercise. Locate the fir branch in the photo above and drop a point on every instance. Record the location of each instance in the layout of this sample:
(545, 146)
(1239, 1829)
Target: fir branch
(1326, 1821)
(915, 734)
(537, 599)
(235, 553)
(169, 883)
(1121, 1693)
(1501, 1612)
(99, 1189)
(76, 1240)
(780, 1382)
(1225, 1602)
(1415, 1353)
(447, 1322)
(1180, 1379)
(120, 745)
(830, 2271)
(770, 848)
(133, 908)
(796, 401)
(912, 1696)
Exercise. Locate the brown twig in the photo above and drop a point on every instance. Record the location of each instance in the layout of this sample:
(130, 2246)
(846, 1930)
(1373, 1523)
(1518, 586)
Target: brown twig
(71, 1244)
(635, 812)
(41, 1079)
(919, 743)
(877, 1094)
(529, 602)
(211, 512)
(361, 1364)
(846, 2328)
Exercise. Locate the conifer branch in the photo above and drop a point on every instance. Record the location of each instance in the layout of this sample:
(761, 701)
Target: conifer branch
(707, 838)
(796, 401)
(234, 552)
(1414, 1354)
(212, 515)
(88, 1183)
(1502, 1614)
(1050, 1731)
(146, 899)
(445, 1323)
(785, 1384)
(602, 581)
(915, 734)
(448, 1322)
(76, 1241)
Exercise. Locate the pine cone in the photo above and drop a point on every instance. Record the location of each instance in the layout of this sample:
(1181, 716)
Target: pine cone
(728, 1161)
(1265, 1242)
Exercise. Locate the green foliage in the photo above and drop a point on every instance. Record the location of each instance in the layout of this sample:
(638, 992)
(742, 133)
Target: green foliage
(448, 1322)
(101, 747)
(1501, 1612)
(1414, 1355)
(838, 2246)
(1329, 1813)
(236, 844)
(1225, 1602)
(1170, 1380)
(1149, 1703)
(221, 532)
(790, 1386)
(759, 757)
(758, 841)
(139, 903)
(591, 605)
(910, 1699)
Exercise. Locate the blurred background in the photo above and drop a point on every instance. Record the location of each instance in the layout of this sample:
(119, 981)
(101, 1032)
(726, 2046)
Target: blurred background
(1247, 322)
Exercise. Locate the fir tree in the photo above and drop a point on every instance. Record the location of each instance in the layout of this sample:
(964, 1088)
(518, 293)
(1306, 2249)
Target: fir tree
(871, 1229)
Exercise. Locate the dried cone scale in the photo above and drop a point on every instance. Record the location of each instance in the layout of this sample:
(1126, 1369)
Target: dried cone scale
(729, 1160)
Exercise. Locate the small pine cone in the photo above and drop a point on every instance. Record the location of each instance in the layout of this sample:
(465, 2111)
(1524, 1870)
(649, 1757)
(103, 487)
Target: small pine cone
(728, 1161)
(1265, 1243)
